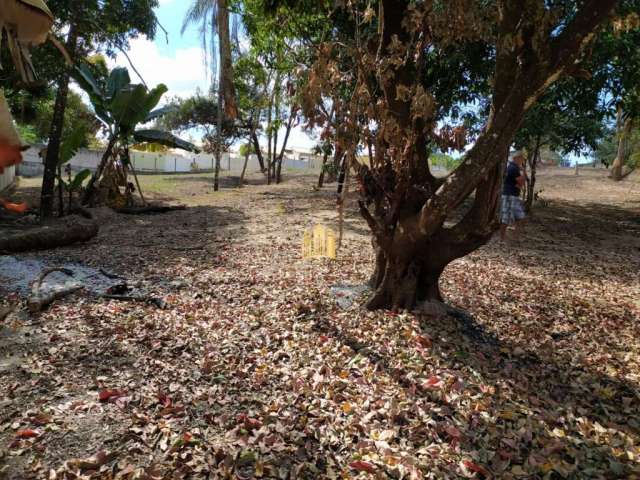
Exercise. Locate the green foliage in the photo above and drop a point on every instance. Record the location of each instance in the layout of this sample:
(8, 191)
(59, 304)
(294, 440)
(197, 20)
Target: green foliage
(201, 112)
(71, 143)
(122, 106)
(445, 161)
(246, 149)
(28, 134)
(33, 110)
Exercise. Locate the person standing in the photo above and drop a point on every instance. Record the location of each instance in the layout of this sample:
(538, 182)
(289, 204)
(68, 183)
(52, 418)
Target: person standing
(512, 211)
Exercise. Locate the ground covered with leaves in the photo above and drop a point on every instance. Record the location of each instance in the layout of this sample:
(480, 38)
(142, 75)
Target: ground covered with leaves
(252, 370)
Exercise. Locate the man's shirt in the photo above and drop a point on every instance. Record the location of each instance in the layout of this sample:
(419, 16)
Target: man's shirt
(510, 186)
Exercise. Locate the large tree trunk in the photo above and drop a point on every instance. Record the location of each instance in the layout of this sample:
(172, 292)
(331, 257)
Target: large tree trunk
(624, 130)
(47, 193)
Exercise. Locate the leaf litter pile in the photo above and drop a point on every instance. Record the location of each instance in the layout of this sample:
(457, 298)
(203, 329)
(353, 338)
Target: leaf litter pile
(252, 370)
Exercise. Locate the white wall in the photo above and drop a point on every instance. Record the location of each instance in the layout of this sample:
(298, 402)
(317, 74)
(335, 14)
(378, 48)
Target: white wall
(6, 179)
(166, 163)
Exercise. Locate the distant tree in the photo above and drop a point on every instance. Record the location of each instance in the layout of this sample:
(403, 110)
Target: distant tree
(200, 112)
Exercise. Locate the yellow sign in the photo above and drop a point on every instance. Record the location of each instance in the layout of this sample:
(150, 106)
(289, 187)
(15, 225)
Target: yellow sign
(319, 241)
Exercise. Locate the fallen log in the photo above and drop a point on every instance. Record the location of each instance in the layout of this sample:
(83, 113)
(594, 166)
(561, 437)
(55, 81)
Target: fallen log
(59, 234)
(150, 209)
(39, 301)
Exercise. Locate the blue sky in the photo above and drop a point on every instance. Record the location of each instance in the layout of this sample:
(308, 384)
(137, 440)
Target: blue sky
(179, 62)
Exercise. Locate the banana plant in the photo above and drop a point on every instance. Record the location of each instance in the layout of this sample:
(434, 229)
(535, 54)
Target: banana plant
(122, 106)
(68, 148)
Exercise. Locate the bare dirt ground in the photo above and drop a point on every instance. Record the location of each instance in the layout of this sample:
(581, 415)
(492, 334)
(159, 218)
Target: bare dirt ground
(253, 371)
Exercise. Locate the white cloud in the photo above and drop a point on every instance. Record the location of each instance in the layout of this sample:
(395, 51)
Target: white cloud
(183, 72)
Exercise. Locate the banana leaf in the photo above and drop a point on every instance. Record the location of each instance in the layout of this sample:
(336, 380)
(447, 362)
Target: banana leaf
(71, 144)
(85, 79)
(133, 104)
(160, 112)
(80, 177)
(118, 80)
(164, 138)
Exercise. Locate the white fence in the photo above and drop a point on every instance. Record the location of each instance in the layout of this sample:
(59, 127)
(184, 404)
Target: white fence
(6, 179)
(167, 162)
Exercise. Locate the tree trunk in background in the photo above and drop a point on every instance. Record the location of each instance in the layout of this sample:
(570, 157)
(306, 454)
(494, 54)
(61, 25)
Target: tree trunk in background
(269, 135)
(624, 130)
(216, 175)
(531, 180)
(284, 144)
(244, 169)
(274, 150)
(47, 193)
(324, 163)
(256, 147)
(226, 66)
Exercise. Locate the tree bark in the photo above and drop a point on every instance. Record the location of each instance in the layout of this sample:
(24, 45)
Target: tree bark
(226, 66)
(325, 156)
(216, 175)
(284, 144)
(59, 234)
(624, 130)
(244, 169)
(256, 147)
(531, 181)
(47, 193)
(406, 211)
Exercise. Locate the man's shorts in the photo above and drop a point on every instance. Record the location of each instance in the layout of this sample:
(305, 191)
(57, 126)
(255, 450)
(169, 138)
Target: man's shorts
(512, 209)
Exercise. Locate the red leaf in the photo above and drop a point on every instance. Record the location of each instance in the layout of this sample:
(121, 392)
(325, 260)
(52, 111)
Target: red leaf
(432, 382)
(474, 467)
(164, 399)
(27, 433)
(453, 432)
(363, 466)
(424, 340)
(109, 395)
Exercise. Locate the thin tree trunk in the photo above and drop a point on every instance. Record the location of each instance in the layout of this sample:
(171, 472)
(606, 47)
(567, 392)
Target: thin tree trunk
(258, 151)
(324, 163)
(60, 193)
(531, 181)
(216, 177)
(244, 169)
(270, 134)
(274, 150)
(284, 144)
(226, 66)
(624, 130)
(56, 131)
